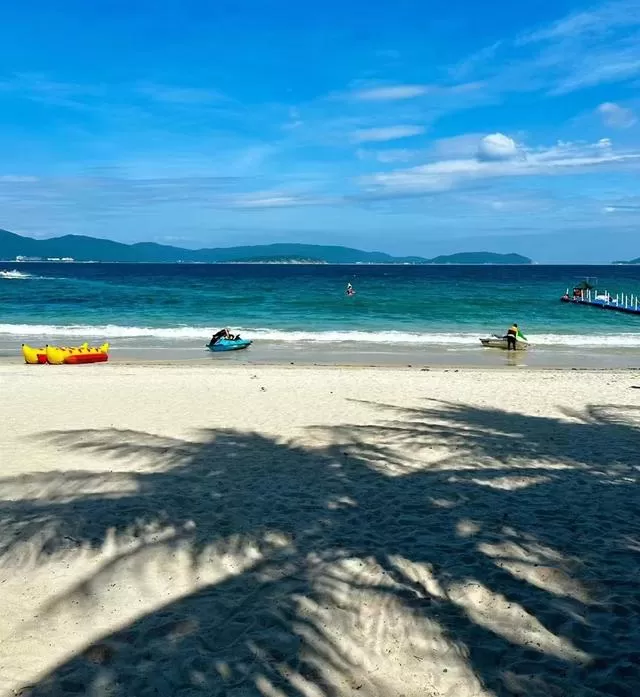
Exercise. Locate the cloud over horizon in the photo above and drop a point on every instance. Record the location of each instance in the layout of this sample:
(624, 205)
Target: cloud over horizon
(499, 156)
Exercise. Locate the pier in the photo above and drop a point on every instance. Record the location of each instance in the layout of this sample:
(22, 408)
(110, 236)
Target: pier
(629, 304)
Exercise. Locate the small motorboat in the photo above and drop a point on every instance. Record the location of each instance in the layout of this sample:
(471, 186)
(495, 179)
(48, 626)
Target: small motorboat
(229, 345)
(500, 342)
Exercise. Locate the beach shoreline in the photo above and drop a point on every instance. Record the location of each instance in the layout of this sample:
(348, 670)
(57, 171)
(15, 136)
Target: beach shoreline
(359, 356)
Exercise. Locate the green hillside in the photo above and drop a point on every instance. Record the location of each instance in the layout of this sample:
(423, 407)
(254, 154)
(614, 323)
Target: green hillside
(481, 258)
(83, 248)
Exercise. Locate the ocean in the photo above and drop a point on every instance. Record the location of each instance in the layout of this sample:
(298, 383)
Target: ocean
(301, 312)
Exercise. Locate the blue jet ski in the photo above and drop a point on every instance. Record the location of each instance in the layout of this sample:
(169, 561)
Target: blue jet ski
(229, 345)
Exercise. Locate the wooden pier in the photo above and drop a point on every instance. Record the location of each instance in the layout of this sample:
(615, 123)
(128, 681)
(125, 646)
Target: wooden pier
(629, 304)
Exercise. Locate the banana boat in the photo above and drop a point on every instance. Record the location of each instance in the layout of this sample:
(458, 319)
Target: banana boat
(75, 355)
(69, 355)
(33, 356)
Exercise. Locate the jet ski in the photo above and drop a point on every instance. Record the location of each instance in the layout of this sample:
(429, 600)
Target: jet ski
(229, 345)
(500, 342)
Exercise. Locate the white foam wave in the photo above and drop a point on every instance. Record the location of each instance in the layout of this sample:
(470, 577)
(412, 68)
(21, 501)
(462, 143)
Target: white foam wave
(336, 337)
(14, 274)
(112, 331)
(628, 340)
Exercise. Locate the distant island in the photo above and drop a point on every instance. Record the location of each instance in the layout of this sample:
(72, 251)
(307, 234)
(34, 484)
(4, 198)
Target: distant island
(80, 248)
(630, 262)
(480, 258)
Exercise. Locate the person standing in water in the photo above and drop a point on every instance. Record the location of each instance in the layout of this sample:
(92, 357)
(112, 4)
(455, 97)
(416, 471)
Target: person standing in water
(350, 290)
(512, 337)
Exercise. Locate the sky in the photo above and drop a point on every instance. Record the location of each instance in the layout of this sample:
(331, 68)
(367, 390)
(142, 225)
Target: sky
(406, 127)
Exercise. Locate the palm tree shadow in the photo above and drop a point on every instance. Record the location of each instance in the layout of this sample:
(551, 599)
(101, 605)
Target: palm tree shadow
(513, 554)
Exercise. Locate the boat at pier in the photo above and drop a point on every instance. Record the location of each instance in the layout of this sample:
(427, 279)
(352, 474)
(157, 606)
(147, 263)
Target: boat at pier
(585, 294)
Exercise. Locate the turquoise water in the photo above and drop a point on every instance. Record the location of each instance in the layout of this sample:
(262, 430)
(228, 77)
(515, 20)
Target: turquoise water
(448, 305)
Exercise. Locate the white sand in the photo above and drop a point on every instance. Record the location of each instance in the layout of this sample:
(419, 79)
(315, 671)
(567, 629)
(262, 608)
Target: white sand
(303, 532)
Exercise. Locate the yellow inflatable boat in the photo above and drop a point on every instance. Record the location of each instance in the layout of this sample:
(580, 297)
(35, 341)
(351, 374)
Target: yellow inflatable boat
(70, 355)
(34, 355)
(74, 355)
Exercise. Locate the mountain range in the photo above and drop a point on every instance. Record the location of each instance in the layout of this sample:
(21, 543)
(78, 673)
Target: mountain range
(83, 248)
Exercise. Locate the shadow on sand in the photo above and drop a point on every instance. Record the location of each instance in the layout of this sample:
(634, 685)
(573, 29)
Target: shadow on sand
(514, 539)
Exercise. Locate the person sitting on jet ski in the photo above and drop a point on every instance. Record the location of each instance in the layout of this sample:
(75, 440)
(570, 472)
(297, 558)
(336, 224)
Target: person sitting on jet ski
(222, 334)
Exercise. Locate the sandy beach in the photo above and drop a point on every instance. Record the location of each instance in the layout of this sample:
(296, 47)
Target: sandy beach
(318, 532)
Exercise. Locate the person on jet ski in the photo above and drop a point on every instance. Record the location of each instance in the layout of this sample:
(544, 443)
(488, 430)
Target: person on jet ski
(222, 334)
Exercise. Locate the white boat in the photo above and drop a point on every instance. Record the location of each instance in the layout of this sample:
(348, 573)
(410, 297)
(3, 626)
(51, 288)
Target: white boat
(500, 342)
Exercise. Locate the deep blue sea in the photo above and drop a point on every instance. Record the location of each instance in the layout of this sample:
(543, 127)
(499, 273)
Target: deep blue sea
(156, 304)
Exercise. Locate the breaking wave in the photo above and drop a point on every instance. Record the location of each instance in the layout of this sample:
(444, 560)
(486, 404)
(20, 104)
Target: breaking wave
(112, 331)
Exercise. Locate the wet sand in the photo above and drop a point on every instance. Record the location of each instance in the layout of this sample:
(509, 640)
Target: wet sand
(358, 354)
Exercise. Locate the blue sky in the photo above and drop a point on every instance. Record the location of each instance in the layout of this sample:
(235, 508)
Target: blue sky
(409, 127)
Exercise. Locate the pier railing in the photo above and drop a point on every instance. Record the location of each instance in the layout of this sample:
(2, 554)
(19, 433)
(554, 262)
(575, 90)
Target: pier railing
(621, 302)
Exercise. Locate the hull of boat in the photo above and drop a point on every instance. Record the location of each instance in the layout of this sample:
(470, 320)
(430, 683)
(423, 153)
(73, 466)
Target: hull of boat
(500, 343)
(77, 355)
(229, 345)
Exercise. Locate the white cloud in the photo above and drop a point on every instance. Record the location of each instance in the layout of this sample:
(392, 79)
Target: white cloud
(367, 135)
(497, 146)
(391, 93)
(447, 174)
(616, 116)
(582, 49)
(608, 16)
(258, 200)
(266, 201)
(601, 67)
(456, 147)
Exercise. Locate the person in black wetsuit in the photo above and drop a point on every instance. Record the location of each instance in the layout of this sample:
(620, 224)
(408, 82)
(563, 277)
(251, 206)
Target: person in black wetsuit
(222, 334)
(512, 336)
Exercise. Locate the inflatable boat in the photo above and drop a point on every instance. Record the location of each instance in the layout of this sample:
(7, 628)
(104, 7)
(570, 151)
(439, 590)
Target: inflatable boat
(75, 355)
(33, 356)
(229, 345)
(501, 343)
(69, 355)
